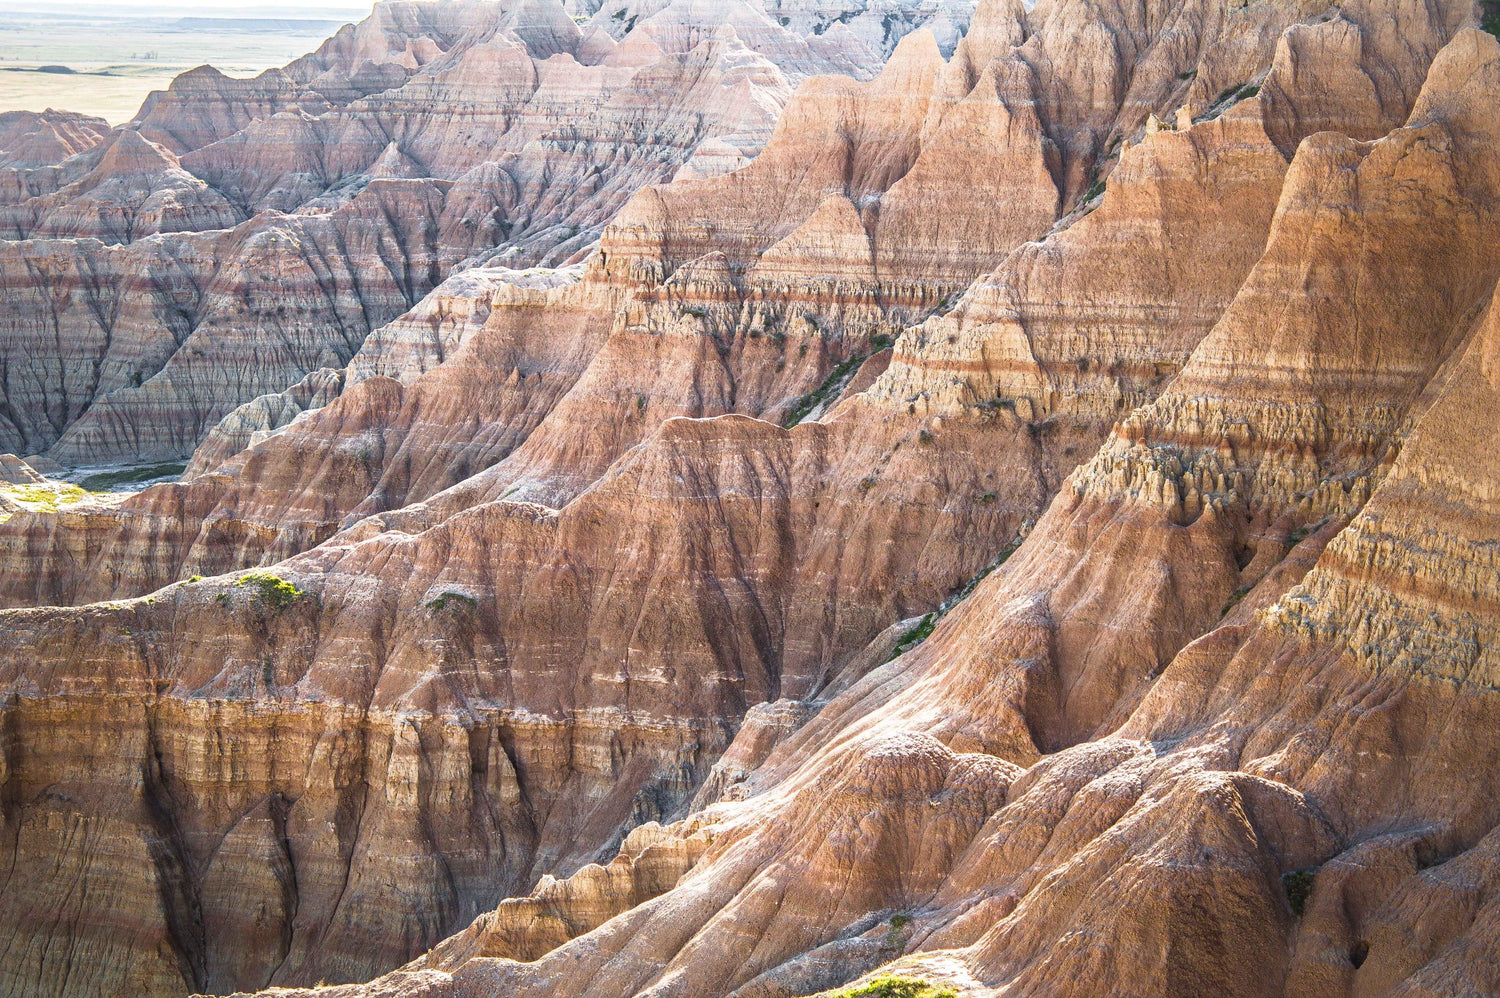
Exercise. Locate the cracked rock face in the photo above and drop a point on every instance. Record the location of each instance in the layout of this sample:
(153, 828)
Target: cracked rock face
(860, 499)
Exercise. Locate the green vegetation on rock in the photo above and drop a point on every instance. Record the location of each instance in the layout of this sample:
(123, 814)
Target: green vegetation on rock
(895, 986)
(44, 497)
(1234, 599)
(836, 379)
(924, 627)
(278, 593)
(109, 479)
(451, 599)
(915, 636)
(812, 399)
(1298, 885)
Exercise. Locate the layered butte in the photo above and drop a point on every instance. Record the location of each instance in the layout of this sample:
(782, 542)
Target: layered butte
(759, 498)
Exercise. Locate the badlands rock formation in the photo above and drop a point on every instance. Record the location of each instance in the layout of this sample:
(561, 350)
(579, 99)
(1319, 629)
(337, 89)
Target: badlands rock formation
(241, 234)
(1029, 529)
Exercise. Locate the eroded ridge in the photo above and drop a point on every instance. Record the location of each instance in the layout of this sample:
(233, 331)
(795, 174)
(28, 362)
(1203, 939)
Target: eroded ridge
(1026, 526)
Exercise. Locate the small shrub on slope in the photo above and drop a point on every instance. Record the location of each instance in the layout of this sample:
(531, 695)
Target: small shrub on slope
(1298, 885)
(893, 986)
(451, 599)
(277, 592)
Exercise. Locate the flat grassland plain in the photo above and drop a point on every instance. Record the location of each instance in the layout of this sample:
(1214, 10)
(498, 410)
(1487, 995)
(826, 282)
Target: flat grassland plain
(105, 61)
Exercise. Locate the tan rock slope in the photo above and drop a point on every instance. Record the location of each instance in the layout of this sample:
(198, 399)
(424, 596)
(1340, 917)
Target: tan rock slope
(901, 555)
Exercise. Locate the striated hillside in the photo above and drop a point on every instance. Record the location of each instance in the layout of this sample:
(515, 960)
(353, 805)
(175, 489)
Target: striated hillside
(753, 498)
(240, 234)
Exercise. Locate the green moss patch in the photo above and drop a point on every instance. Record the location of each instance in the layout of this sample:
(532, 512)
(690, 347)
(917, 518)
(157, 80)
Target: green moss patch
(925, 626)
(1489, 16)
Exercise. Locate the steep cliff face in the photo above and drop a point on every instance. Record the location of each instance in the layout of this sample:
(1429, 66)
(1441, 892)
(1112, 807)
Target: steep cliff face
(904, 554)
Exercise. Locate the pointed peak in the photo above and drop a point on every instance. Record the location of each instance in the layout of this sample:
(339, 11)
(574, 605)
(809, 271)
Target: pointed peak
(132, 154)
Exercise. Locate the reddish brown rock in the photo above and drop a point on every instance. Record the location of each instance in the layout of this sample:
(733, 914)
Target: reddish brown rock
(1310, 726)
(1221, 721)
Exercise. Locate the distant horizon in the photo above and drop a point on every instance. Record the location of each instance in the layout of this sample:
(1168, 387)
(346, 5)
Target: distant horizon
(108, 56)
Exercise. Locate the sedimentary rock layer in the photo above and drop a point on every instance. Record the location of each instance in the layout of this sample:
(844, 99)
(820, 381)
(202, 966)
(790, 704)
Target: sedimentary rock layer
(287, 216)
(1083, 591)
(1294, 795)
